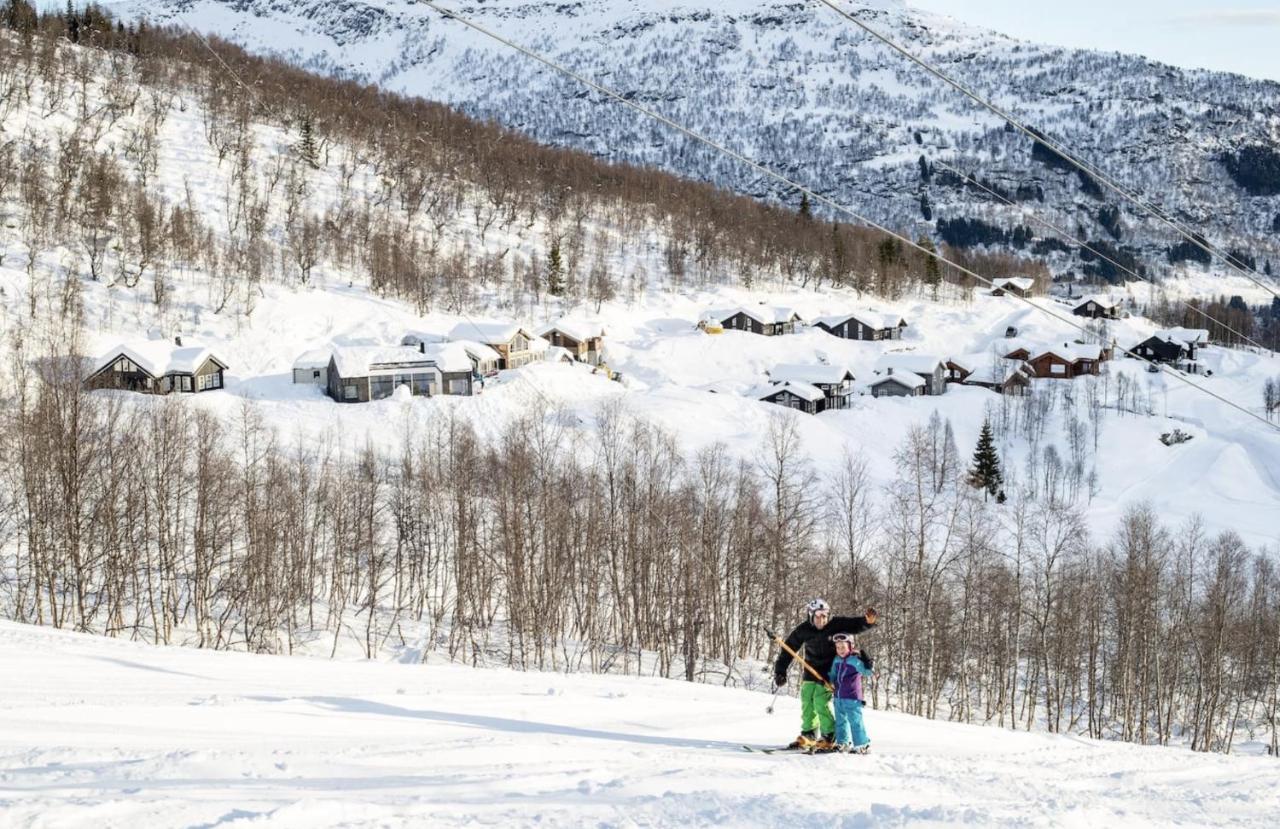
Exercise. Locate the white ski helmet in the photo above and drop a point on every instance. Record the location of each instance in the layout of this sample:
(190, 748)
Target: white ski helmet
(816, 606)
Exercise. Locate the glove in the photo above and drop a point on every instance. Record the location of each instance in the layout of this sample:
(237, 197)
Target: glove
(780, 680)
(866, 660)
(871, 615)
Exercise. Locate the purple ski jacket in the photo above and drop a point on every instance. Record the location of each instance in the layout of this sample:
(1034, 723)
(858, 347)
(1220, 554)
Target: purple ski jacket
(846, 677)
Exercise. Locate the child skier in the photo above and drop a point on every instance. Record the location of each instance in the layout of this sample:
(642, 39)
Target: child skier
(816, 723)
(847, 671)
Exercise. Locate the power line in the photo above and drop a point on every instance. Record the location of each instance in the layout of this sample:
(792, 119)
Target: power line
(1067, 235)
(686, 131)
(1037, 137)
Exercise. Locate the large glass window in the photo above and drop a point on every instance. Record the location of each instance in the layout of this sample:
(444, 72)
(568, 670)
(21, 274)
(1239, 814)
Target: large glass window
(350, 392)
(380, 387)
(422, 385)
(457, 386)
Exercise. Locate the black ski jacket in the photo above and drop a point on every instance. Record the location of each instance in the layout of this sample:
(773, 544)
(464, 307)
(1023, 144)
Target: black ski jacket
(819, 650)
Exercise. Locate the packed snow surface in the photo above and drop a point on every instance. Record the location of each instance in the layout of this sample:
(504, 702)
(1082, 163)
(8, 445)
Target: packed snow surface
(99, 732)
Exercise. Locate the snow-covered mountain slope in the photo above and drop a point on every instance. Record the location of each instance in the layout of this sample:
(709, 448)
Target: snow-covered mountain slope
(796, 87)
(1227, 473)
(113, 734)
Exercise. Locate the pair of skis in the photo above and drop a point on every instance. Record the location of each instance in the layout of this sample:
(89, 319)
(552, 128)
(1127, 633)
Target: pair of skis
(790, 750)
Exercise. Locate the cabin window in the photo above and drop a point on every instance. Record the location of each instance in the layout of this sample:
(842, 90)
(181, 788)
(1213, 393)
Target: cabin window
(349, 392)
(125, 365)
(186, 382)
(422, 385)
(1057, 368)
(404, 380)
(315, 375)
(519, 343)
(380, 388)
(457, 387)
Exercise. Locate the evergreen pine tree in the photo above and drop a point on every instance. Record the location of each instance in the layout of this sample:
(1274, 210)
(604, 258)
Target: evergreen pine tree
(555, 269)
(307, 145)
(932, 272)
(985, 473)
(806, 210)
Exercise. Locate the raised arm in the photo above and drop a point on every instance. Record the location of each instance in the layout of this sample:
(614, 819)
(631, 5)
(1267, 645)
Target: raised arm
(852, 624)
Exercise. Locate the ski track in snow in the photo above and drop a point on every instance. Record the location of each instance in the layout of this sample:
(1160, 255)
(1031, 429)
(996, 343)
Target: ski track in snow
(105, 733)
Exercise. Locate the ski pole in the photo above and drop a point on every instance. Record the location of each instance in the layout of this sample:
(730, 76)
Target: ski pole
(773, 700)
(797, 657)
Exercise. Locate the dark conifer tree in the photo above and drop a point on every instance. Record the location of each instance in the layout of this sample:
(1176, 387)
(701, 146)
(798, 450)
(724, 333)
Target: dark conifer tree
(555, 269)
(985, 473)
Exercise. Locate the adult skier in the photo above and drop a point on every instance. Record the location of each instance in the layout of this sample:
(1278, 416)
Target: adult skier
(817, 723)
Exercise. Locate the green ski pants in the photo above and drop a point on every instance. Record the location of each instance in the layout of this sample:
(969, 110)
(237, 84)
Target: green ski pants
(815, 708)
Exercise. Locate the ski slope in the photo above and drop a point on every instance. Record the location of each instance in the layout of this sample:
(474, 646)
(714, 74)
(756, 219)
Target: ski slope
(105, 733)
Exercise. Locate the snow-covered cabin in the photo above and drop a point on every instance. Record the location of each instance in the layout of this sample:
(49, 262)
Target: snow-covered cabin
(1098, 307)
(834, 381)
(358, 374)
(1023, 286)
(899, 383)
(1173, 345)
(929, 367)
(558, 354)
(1004, 377)
(802, 397)
(766, 320)
(1063, 362)
(512, 342)
(863, 325)
(312, 367)
(958, 368)
(158, 367)
(582, 339)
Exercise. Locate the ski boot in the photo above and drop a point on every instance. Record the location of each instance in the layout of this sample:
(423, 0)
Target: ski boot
(804, 742)
(866, 749)
(824, 744)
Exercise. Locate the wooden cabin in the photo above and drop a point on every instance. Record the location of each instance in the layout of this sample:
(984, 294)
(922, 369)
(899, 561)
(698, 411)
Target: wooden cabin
(930, 368)
(1023, 286)
(158, 367)
(802, 397)
(863, 325)
(1011, 377)
(358, 374)
(583, 340)
(835, 382)
(1068, 361)
(1098, 307)
(958, 370)
(514, 345)
(897, 383)
(765, 320)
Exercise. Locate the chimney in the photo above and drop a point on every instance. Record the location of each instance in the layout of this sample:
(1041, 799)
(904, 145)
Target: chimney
(177, 341)
(422, 347)
(890, 370)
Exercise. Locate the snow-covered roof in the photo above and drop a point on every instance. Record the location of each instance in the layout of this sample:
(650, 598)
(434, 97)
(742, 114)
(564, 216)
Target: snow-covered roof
(909, 379)
(558, 353)
(921, 363)
(763, 314)
(814, 373)
(490, 333)
(1072, 351)
(578, 329)
(1185, 336)
(1022, 283)
(315, 358)
(364, 360)
(450, 357)
(804, 391)
(966, 363)
(1102, 300)
(871, 319)
(478, 351)
(160, 357)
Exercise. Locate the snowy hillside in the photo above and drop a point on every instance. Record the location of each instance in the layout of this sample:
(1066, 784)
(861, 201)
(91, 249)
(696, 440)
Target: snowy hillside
(799, 89)
(114, 734)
